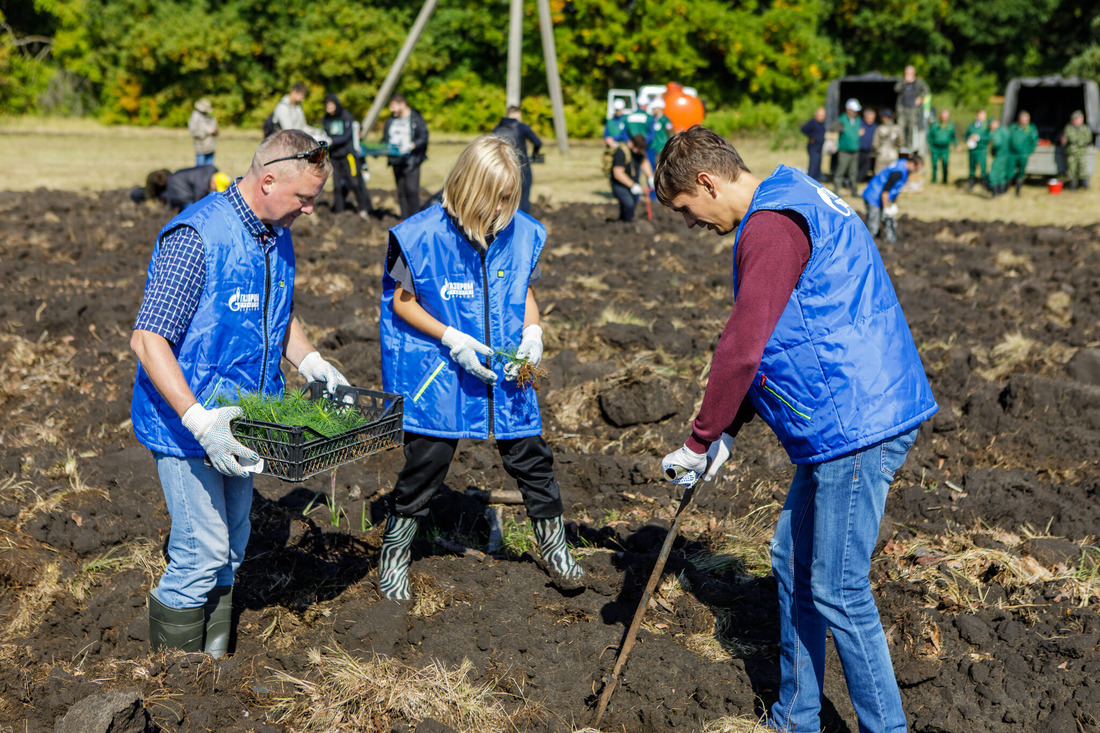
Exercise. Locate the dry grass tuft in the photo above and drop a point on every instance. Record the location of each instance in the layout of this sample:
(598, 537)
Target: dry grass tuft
(737, 724)
(143, 554)
(373, 693)
(430, 599)
(1012, 264)
(32, 605)
(1011, 352)
(739, 545)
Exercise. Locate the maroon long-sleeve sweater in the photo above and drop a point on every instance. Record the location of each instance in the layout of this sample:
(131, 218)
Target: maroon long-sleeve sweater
(772, 252)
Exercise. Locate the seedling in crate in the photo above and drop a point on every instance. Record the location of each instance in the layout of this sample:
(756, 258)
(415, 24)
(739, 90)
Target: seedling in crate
(527, 374)
(325, 416)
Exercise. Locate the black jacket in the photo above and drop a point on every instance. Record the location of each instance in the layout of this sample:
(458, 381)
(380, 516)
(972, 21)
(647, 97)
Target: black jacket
(518, 134)
(419, 138)
(188, 185)
(338, 126)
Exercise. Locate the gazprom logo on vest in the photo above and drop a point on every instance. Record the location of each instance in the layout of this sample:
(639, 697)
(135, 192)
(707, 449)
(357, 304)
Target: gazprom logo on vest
(244, 301)
(456, 290)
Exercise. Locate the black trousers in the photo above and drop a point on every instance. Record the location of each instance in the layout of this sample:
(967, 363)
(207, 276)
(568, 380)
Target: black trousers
(627, 201)
(407, 178)
(344, 180)
(525, 188)
(528, 460)
(813, 170)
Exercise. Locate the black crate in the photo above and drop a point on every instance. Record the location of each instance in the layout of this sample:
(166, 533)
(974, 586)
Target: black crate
(296, 452)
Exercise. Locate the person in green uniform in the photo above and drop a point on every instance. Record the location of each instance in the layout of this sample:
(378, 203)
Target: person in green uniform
(941, 138)
(977, 142)
(850, 127)
(637, 123)
(1076, 138)
(998, 147)
(1022, 139)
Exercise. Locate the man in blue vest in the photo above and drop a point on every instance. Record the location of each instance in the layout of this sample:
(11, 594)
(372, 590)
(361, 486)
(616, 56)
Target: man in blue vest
(881, 195)
(817, 345)
(217, 317)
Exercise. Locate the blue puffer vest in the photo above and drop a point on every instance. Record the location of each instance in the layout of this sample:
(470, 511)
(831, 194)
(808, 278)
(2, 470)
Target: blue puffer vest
(235, 339)
(872, 194)
(840, 372)
(484, 295)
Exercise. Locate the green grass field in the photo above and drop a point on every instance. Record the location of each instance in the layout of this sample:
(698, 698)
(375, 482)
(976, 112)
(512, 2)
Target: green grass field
(84, 155)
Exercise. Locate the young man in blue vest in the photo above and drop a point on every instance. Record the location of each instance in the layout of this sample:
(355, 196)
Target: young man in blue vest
(816, 345)
(881, 196)
(217, 317)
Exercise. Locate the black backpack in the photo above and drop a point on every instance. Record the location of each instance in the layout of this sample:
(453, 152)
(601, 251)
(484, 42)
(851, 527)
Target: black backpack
(270, 126)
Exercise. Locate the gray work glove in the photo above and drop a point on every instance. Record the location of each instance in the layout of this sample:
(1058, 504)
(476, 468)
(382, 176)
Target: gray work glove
(717, 454)
(316, 369)
(211, 429)
(530, 350)
(684, 466)
(465, 350)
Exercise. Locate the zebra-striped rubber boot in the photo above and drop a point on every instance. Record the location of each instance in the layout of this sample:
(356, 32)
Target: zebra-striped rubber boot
(393, 567)
(562, 568)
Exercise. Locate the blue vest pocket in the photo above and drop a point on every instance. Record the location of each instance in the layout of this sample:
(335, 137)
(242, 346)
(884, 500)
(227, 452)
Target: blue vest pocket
(427, 380)
(784, 402)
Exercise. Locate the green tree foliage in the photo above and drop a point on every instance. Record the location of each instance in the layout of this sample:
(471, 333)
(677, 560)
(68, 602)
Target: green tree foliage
(753, 61)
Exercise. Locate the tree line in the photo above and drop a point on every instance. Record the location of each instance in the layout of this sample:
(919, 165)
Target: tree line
(754, 62)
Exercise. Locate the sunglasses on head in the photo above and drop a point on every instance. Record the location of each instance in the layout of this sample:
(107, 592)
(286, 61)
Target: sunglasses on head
(315, 156)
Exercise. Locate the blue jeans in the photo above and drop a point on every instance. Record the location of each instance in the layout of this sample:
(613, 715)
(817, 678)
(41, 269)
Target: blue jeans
(209, 532)
(821, 558)
(204, 159)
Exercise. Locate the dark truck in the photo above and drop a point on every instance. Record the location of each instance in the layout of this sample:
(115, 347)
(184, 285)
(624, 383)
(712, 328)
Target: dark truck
(1050, 100)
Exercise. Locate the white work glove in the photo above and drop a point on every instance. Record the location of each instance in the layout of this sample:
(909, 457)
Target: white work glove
(316, 369)
(650, 182)
(891, 211)
(465, 350)
(530, 350)
(211, 429)
(636, 189)
(684, 466)
(717, 454)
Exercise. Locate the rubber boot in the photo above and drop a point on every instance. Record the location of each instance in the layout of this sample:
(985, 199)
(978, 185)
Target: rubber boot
(393, 567)
(1084, 184)
(559, 563)
(218, 613)
(1019, 184)
(174, 628)
(970, 184)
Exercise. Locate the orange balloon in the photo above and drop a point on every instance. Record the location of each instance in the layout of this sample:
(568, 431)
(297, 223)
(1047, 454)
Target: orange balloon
(682, 110)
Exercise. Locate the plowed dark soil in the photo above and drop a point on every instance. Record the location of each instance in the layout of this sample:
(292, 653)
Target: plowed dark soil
(986, 575)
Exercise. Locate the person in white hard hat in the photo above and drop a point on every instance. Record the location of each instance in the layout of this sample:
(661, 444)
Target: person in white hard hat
(614, 132)
(850, 127)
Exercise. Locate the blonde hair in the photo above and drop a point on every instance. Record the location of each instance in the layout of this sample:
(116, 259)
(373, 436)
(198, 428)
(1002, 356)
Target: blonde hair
(485, 176)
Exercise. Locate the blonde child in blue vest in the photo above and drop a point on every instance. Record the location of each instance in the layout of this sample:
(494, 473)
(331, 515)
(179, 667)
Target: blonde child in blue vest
(457, 291)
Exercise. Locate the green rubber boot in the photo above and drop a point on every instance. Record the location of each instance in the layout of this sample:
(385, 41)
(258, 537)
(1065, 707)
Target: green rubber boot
(218, 613)
(174, 628)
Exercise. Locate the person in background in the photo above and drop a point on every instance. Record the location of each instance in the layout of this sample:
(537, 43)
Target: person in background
(867, 144)
(814, 130)
(512, 129)
(1077, 137)
(204, 132)
(911, 91)
(941, 138)
(887, 143)
(660, 129)
(614, 130)
(289, 114)
(1023, 136)
(850, 127)
(180, 189)
(977, 143)
(347, 166)
(438, 348)
(998, 148)
(627, 166)
(881, 196)
(216, 320)
(406, 135)
(814, 314)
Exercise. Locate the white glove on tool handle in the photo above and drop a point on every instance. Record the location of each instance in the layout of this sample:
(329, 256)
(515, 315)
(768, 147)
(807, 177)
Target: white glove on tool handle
(891, 211)
(211, 429)
(717, 454)
(530, 350)
(465, 350)
(684, 466)
(316, 369)
(636, 189)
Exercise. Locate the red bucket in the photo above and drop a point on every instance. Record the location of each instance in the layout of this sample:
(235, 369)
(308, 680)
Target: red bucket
(1054, 185)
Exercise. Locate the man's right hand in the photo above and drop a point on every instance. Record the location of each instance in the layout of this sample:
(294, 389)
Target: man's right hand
(465, 350)
(211, 429)
(636, 189)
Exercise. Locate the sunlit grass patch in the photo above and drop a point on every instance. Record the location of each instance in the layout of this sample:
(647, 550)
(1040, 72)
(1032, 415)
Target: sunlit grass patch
(143, 554)
(610, 314)
(32, 604)
(737, 724)
(739, 545)
(348, 693)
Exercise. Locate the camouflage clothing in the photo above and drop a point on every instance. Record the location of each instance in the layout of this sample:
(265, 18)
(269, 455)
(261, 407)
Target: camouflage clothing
(1078, 138)
(887, 144)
